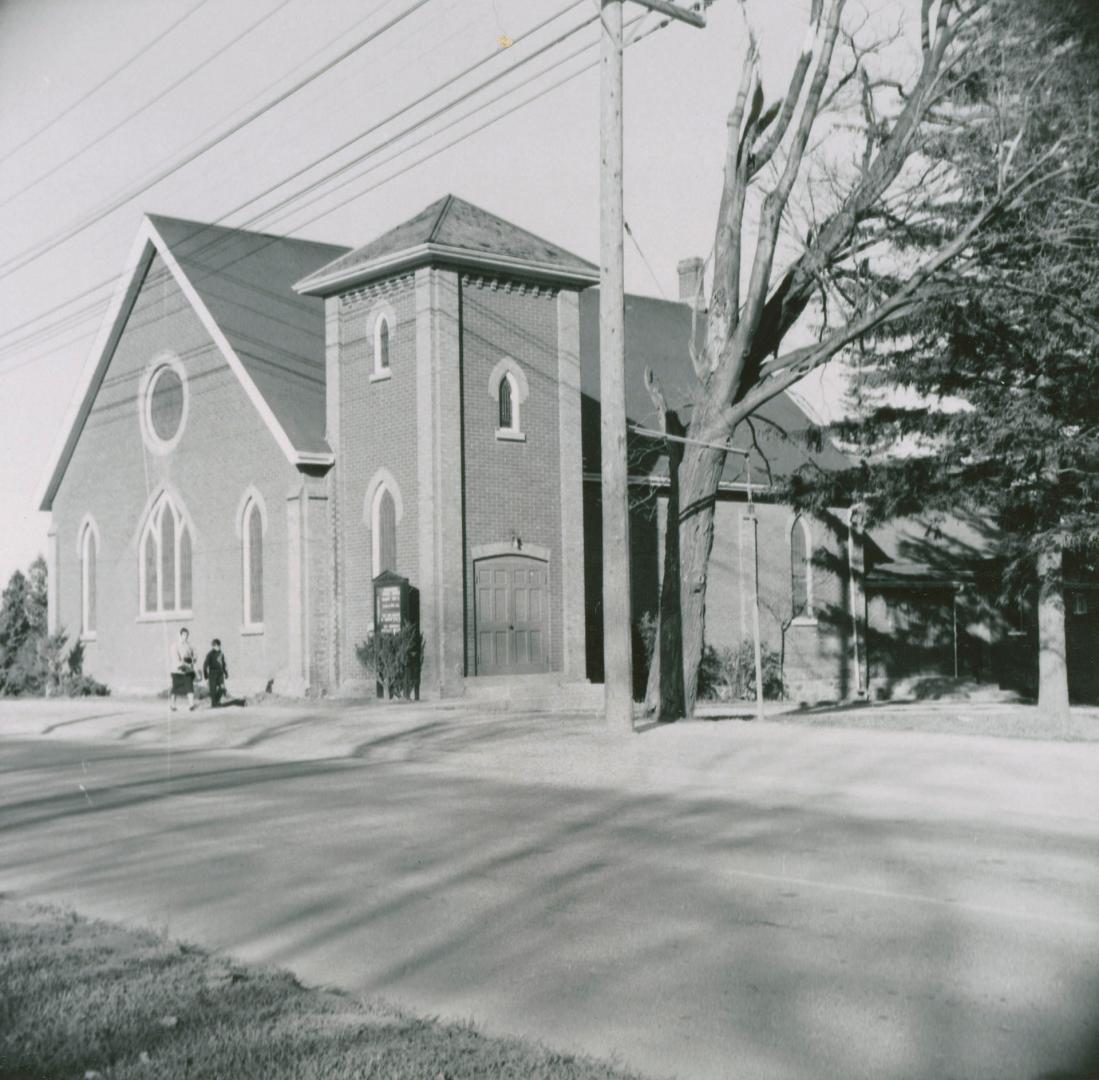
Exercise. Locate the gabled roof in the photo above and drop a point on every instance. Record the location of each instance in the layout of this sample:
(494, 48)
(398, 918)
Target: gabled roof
(657, 334)
(452, 231)
(943, 549)
(246, 282)
(240, 285)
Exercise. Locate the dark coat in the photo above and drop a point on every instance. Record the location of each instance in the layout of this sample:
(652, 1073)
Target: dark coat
(215, 668)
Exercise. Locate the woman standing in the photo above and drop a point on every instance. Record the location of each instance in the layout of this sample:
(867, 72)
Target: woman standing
(182, 668)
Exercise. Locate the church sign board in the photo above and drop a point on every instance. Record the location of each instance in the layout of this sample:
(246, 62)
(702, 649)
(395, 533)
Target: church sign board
(391, 603)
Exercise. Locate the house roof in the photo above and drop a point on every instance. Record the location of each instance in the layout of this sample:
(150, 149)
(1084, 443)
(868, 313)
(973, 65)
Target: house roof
(657, 336)
(947, 549)
(268, 321)
(240, 286)
(455, 232)
(245, 280)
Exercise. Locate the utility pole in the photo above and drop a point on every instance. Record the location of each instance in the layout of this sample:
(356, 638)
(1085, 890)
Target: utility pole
(617, 620)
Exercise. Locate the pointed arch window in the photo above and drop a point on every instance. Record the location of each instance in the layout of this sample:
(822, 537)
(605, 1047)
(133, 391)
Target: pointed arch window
(382, 349)
(507, 417)
(385, 531)
(383, 341)
(165, 561)
(801, 569)
(252, 565)
(508, 387)
(89, 549)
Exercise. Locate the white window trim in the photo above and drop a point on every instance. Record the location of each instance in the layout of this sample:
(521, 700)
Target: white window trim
(183, 522)
(251, 498)
(381, 478)
(810, 616)
(145, 402)
(507, 368)
(87, 528)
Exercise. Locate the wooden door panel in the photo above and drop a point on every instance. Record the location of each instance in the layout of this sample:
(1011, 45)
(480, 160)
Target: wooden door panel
(511, 610)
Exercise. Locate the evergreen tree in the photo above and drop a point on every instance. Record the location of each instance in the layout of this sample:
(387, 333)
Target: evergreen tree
(999, 366)
(15, 627)
(864, 212)
(23, 624)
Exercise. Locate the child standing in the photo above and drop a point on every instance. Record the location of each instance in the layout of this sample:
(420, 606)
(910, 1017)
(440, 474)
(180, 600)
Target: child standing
(215, 669)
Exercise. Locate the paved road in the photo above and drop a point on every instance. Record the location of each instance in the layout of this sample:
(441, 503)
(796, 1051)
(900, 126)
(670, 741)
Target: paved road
(837, 907)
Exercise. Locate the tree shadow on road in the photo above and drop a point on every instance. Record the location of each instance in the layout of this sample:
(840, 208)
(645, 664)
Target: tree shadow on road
(778, 933)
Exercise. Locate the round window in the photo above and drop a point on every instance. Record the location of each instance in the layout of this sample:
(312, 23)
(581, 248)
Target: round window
(166, 404)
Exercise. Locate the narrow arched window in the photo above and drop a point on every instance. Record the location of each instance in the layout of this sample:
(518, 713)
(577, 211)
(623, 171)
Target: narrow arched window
(381, 346)
(801, 576)
(166, 558)
(149, 575)
(508, 388)
(185, 574)
(385, 532)
(506, 420)
(252, 550)
(87, 583)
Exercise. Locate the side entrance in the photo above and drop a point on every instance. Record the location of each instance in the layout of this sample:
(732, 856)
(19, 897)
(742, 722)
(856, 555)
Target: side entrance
(512, 614)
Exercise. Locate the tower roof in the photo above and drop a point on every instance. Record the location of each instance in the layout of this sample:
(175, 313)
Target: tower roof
(453, 232)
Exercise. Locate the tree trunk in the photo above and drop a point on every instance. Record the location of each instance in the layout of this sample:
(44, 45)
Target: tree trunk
(1052, 665)
(698, 477)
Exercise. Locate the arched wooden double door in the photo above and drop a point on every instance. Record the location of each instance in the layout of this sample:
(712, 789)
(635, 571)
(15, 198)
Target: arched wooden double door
(512, 614)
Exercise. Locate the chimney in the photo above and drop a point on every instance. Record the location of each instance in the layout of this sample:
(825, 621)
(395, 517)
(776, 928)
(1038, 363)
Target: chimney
(690, 282)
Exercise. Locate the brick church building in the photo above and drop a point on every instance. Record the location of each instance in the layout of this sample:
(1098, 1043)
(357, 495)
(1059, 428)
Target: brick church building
(268, 424)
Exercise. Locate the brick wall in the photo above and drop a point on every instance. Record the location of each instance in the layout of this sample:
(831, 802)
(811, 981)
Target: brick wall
(511, 488)
(817, 655)
(225, 448)
(377, 429)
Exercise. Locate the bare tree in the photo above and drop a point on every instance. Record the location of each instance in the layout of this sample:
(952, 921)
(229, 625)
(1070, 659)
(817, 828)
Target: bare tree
(740, 363)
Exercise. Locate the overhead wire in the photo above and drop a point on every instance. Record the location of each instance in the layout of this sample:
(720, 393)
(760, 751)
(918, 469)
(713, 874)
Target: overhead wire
(145, 105)
(445, 84)
(481, 127)
(110, 281)
(113, 74)
(465, 135)
(217, 240)
(24, 258)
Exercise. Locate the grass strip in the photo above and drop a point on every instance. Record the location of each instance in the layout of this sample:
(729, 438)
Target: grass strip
(91, 1000)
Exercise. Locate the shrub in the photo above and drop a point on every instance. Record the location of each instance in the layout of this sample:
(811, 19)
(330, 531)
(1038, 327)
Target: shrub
(729, 674)
(44, 665)
(395, 661)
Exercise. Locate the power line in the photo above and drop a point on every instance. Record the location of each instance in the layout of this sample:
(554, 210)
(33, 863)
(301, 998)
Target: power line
(99, 306)
(30, 255)
(492, 120)
(109, 282)
(103, 82)
(434, 115)
(378, 125)
(648, 265)
(146, 105)
(464, 96)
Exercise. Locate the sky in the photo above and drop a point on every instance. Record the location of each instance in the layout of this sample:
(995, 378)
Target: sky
(538, 167)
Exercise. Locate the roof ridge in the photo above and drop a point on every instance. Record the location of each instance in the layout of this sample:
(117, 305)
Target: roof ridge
(443, 211)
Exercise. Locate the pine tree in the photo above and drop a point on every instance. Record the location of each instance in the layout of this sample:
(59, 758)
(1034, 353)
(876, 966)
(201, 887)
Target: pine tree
(861, 210)
(1000, 364)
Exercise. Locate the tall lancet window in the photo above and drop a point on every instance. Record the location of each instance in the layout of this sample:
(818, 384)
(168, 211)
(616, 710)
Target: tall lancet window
(801, 569)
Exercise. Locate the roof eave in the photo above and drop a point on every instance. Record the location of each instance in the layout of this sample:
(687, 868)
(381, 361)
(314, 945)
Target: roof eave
(323, 284)
(110, 330)
(148, 243)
